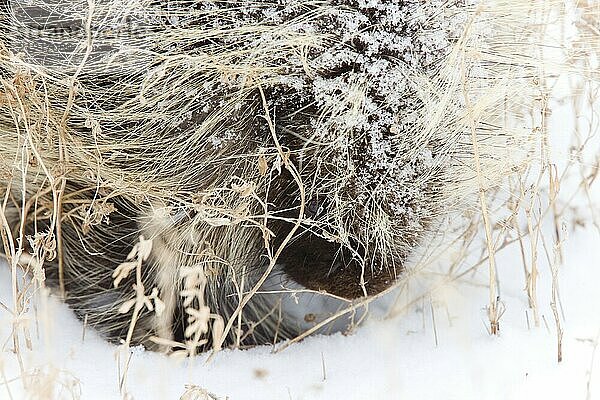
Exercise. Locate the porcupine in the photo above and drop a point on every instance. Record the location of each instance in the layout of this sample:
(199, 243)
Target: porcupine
(220, 132)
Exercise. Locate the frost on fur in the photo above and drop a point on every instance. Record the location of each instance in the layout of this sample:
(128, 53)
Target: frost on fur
(318, 141)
